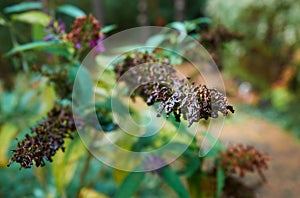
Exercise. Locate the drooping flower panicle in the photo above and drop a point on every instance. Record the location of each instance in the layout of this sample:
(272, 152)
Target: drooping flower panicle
(46, 138)
(157, 82)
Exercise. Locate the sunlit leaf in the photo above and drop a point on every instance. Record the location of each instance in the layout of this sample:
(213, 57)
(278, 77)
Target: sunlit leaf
(65, 163)
(23, 7)
(90, 193)
(71, 11)
(119, 175)
(37, 32)
(130, 185)
(2, 21)
(32, 17)
(172, 179)
(7, 134)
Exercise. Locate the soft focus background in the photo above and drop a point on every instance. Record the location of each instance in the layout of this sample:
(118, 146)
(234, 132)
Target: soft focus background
(261, 73)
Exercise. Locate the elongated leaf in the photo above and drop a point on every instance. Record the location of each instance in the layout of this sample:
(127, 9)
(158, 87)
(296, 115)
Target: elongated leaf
(37, 32)
(32, 17)
(156, 40)
(65, 163)
(59, 49)
(90, 193)
(23, 7)
(31, 46)
(178, 26)
(130, 185)
(108, 28)
(7, 134)
(83, 86)
(174, 182)
(71, 11)
(220, 182)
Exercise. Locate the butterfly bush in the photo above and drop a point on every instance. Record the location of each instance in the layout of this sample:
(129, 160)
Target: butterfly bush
(241, 159)
(85, 34)
(46, 138)
(156, 81)
(56, 30)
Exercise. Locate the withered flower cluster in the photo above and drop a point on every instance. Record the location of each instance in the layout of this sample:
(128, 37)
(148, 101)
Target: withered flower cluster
(47, 137)
(241, 159)
(213, 39)
(157, 82)
(85, 32)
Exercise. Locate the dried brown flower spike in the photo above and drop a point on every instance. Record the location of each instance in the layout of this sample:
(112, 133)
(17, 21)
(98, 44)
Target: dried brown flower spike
(48, 137)
(156, 82)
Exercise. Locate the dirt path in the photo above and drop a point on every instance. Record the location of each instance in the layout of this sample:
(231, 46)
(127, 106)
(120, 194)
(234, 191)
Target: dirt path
(283, 174)
(284, 171)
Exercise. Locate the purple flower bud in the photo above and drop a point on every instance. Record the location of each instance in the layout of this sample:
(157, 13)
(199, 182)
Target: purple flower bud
(48, 37)
(62, 26)
(93, 43)
(51, 24)
(77, 45)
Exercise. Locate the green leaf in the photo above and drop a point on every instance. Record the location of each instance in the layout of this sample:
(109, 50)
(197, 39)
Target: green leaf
(9, 102)
(108, 28)
(2, 21)
(31, 46)
(130, 185)
(90, 193)
(220, 182)
(59, 49)
(71, 11)
(217, 145)
(178, 26)
(171, 178)
(32, 17)
(7, 134)
(83, 86)
(23, 7)
(156, 40)
(37, 32)
(65, 163)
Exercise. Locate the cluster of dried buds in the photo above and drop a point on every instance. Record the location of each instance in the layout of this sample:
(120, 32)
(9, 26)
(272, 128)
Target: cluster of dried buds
(46, 138)
(157, 82)
(241, 159)
(213, 39)
(85, 33)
